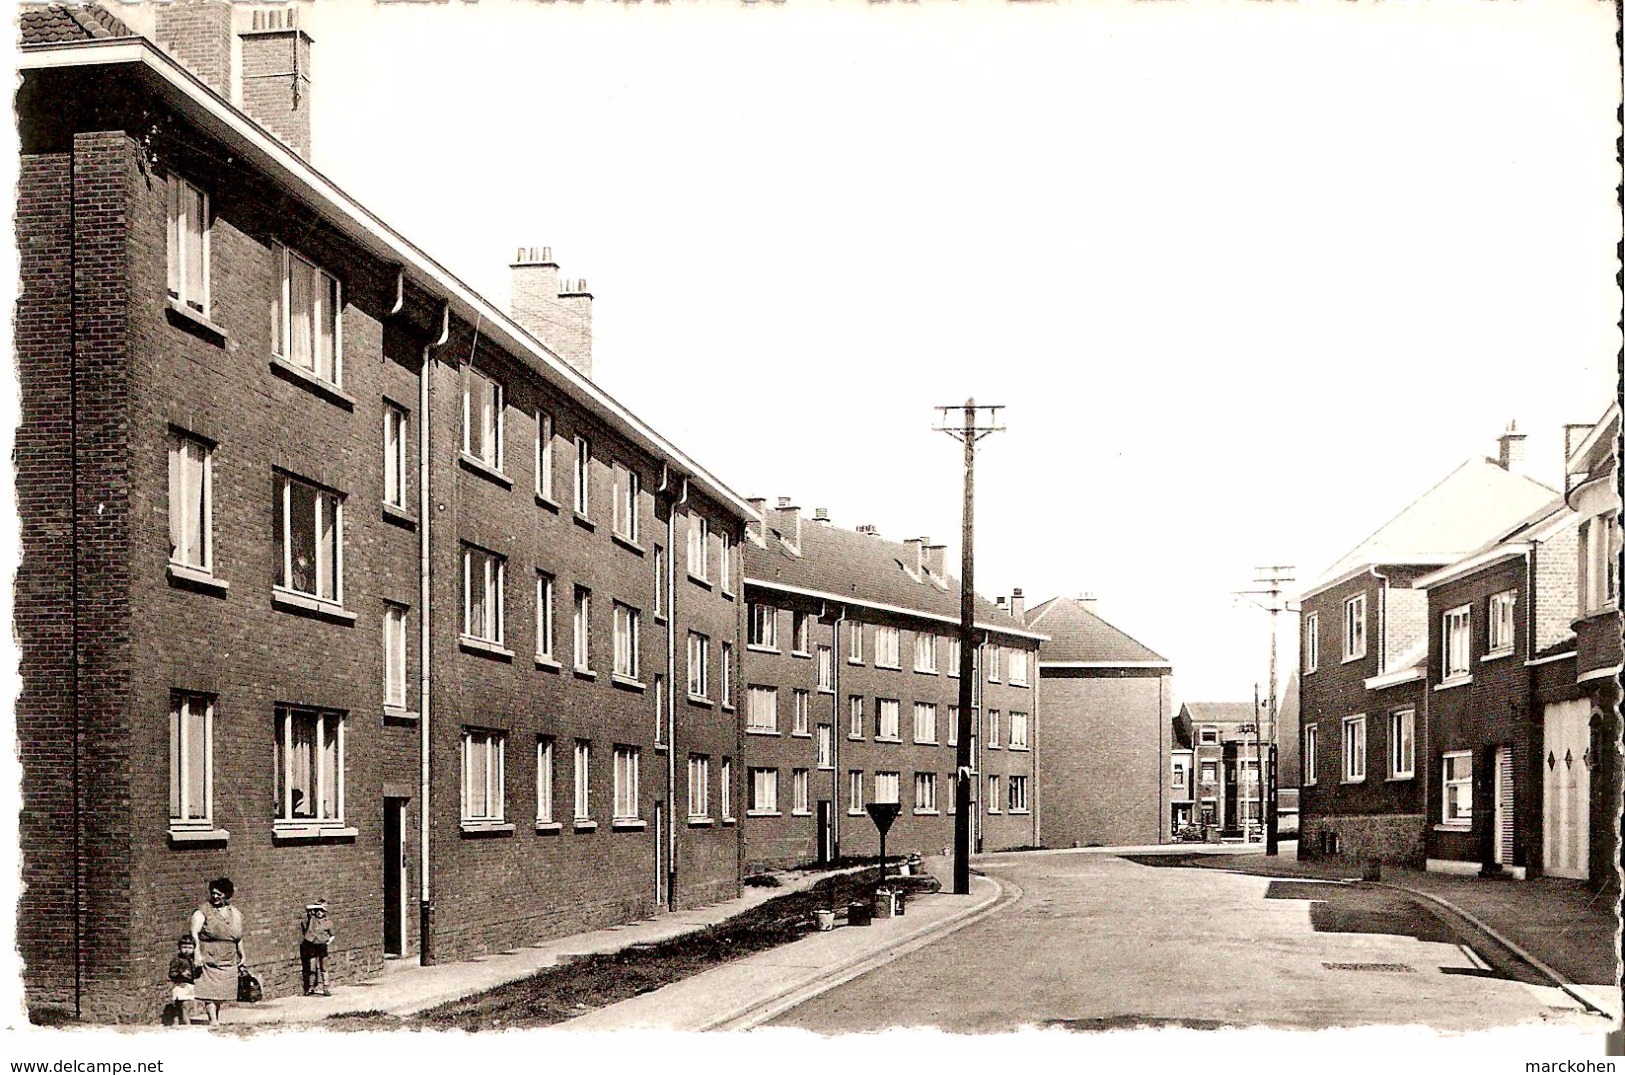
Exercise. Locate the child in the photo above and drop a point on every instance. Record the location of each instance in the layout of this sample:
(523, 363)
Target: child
(318, 932)
(183, 971)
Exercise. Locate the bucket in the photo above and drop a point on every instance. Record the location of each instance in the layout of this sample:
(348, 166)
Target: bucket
(826, 920)
(857, 913)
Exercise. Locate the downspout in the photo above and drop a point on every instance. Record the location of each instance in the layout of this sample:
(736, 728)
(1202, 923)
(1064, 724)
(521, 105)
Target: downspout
(668, 570)
(425, 896)
(73, 593)
(1038, 745)
(835, 735)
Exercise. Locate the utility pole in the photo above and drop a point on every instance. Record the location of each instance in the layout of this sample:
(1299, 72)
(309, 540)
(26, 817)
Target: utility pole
(971, 428)
(1274, 577)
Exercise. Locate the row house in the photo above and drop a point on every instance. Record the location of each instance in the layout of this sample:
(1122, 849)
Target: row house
(1364, 688)
(1111, 774)
(1222, 781)
(337, 580)
(852, 692)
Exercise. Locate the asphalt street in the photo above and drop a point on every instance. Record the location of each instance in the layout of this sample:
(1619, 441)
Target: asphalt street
(1097, 942)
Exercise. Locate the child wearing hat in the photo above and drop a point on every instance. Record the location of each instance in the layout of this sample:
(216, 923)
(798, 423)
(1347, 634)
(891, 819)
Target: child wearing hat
(317, 935)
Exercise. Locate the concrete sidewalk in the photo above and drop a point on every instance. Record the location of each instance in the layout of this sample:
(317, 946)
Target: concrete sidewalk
(406, 988)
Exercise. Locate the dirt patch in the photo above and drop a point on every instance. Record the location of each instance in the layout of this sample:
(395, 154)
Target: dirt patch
(1132, 1022)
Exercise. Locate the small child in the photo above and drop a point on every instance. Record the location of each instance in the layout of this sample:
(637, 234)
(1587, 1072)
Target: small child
(318, 933)
(184, 971)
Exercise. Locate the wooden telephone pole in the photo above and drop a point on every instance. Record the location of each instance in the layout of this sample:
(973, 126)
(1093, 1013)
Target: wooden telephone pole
(1274, 576)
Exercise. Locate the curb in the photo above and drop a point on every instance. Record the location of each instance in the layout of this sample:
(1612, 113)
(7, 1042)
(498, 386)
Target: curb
(761, 1010)
(1506, 942)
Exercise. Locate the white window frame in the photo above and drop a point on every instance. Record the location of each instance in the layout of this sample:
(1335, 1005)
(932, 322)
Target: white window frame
(925, 652)
(583, 470)
(544, 780)
(800, 792)
(1180, 772)
(191, 503)
(627, 641)
(855, 726)
(1599, 564)
(1354, 627)
(395, 650)
(545, 622)
(581, 630)
(990, 734)
(725, 571)
(699, 547)
(762, 710)
(1311, 642)
(395, 426)
(699, 656)
(727, 790)
(1016, 794)
(955, 651)
(888, 720)
(1018, 730)
(800, 711)
(992, 802)
(329, 551)
(764, 792)
(888, 787)
(543, 462)
(826, 668)
(824, 747)
(925, 793)
(699, 787)
(1018, 667)
(854, 641)
(1354, 749)
(953, 726)
(1402, 744)
(628, 763)
(659, 560)
(801, 633)
(855, 789)
(993, 655)
(282, 318)
(1208, 735)
(925, 722)
(763, 627)
(1453, 778)
(482, 418)
(726, 695)
(1503, 622)
(581, 807)
(190, 759)
(628, 489)
(189, 219)
(328, 766)
(484, 572)
(1311, 753)
(484, 765)
(1456, 643)
(886, 647)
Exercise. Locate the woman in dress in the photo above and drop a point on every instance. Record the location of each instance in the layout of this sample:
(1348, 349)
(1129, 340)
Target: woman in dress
(218, 928)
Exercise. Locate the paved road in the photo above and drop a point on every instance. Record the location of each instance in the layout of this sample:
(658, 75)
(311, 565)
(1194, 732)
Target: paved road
(1096, 941)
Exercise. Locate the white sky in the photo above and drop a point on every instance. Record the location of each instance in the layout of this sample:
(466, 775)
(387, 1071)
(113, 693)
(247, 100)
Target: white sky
(1248, 278)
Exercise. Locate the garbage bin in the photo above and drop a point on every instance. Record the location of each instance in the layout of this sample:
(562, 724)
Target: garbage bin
(857, 913)
(885, 903)
(826, 920)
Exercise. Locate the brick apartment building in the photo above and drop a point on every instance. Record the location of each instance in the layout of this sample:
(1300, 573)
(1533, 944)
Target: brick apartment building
(1107, 774)
(851, 695)
(1363, 690)
(336, 579)
(1222, 740)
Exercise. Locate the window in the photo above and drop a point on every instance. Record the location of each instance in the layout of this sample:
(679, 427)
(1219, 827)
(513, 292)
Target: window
(854, 716)
(1458, 642)
(1458, 788)
(1599, 563)
(658, 689)
(728, 673)
(305, 317)
(1178, 781)
(992, 795)
(699, 656)
(990, 734)
(1018, 730)
(699, 787)
(583, 475)
(581, 624)
(627, 760)
(764, 791)
(1354, 627)
(727, 785)
(886, 647)
(826, 669)
(191, 503)
(886, 788)
(975, 757)
(925, 722)
(544, 616)
(544, 781)
(925, 793)
(993, 653)
(310, 543)
(854, 791)
(1018, 795)
(764, 627)
(482, 594)
(1210, 772)
(953, 725)
(854, 642)
(483, 752)
(800, 706)
(1311, 752)
(627, 490)
(482, 418)
(626, 641)
(1209, 735)
(1018, 670)
(395, 656)
(886, 719)
(725, 566)
(544, 455)
(309, 765)
(762, 715)
(394, 456)
(1502, 630)
(660, 580)
(1353, 749)
(191, 762)
(800, 780)
(583, 773)
(1311, 642)
(826, 747)
(800, 632)
(925, 652)
(699, 538)
(954, 656)
(1402, 743)
(188, 245)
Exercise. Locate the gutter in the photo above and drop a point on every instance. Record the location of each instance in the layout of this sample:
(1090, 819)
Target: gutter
(848, 599)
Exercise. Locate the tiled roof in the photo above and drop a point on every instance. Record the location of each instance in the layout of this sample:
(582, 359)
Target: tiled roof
(844, 563)
(1220, 712)
(1477, 501)
(1077, 634)
(49, 24)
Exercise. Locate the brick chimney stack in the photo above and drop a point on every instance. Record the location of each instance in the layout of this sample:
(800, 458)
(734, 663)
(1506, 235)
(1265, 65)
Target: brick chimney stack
(917, 547)
(757, 531)
(790, 525)
(198, 34)
(1511, 443)
(934, 557)
(557, 312)
(276, 75)
(1573, 434)
(821, 515)
(1018, 605)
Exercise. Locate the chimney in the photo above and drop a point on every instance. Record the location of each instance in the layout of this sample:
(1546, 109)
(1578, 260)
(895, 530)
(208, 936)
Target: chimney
(1574, 435)
(276, 75)
(934, 556)
(1001, 602)
(790, 524)
(1511, 443)
(821, 515)
(868, 530)
(1018, 605)
(757, 531)
(557, 312)
(1087, 600)
(916, 546)
(198, 34)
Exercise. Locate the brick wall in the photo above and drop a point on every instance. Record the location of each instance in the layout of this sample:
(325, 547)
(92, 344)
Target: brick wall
(1105, 752)
(1557, 588)
(1390, 838)
(198, 34)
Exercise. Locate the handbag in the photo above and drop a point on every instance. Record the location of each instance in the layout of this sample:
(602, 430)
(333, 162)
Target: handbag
(249, 990)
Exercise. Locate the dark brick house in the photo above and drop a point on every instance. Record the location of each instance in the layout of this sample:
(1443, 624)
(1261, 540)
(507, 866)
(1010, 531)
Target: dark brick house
(1223, 738)
(851, 695)
(1107, 775)
(336, 579)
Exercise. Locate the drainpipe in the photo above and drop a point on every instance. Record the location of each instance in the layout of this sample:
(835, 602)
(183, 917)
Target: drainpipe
(425, 897)
(835, 735)
(668, 485)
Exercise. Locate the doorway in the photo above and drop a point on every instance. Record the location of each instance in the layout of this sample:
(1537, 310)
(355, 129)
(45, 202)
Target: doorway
(826, 832)
(1566, 770)
(1505, 835)
(395, 876)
